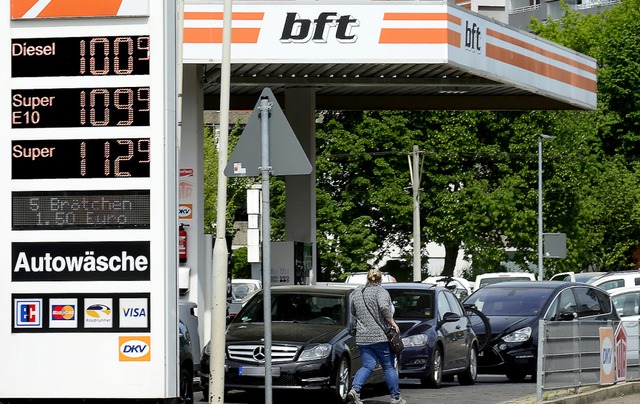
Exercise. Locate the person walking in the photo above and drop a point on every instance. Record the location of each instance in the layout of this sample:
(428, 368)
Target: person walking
(368, 301)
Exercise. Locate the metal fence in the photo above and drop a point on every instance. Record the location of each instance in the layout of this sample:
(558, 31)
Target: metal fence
(569, 354)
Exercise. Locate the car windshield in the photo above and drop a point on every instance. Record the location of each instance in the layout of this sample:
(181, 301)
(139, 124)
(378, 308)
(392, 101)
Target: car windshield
(412, 304)
(510, 301)
(490, 281)
(298, 308)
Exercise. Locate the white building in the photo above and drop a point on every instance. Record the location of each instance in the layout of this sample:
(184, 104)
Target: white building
(518, 13)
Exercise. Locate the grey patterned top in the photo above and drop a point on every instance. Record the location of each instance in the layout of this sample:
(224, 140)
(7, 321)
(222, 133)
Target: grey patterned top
(379, 302)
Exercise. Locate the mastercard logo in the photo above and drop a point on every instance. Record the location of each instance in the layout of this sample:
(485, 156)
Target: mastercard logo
(60, 312)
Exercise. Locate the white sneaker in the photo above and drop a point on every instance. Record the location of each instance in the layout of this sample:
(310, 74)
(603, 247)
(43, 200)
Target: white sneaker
(354, 397)
(398, 400)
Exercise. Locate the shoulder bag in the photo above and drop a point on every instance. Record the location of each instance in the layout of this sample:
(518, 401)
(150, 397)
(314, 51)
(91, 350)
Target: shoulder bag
(395, 342)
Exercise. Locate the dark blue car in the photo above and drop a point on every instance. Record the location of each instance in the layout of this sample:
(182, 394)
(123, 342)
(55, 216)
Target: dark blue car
(438, 338)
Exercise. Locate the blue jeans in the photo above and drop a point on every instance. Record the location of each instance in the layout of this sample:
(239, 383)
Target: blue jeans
(371, 354)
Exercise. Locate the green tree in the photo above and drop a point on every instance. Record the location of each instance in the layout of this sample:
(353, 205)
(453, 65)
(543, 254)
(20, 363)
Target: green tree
(606, 232)
(240, 268)
(619, 80)
(210, 179)
(363, 206)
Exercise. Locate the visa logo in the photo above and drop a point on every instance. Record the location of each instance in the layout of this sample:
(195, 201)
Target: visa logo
(135, 348)
(134, 312)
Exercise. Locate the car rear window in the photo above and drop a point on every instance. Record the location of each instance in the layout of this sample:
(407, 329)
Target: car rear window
(240, 290)
(612, 284)
(491, 281)
(627, 304)
(510, 301)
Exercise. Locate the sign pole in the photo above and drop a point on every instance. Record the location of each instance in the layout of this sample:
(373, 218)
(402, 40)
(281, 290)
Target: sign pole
(280, 154)
(265, 170)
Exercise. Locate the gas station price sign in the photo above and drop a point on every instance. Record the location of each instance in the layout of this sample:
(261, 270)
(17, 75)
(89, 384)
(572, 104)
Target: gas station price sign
(82, 56)
(80, 107)
(80, 158)
(76, 171)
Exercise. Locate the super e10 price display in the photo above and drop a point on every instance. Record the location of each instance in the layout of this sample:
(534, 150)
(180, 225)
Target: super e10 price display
(80, 158)
(80, 107)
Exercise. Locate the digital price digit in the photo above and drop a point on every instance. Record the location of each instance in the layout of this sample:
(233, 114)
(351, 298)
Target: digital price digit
(126, 153)
(99, 105)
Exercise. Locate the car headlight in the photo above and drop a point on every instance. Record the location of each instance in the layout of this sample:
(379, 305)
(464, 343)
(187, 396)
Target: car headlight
(315, 352)
(520, 335)
(415, 340)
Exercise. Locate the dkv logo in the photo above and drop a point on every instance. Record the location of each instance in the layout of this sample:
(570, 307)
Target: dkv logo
(136, 349)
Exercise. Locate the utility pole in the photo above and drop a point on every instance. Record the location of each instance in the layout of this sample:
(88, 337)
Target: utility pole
(540, 230)
(414, 172)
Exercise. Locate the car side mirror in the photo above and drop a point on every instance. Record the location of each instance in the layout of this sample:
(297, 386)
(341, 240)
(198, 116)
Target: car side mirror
(450, 317)
(352, 327)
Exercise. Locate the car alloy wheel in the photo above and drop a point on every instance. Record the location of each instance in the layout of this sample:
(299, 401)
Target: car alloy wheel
(343, 380)
(435, 372)
(468, 377)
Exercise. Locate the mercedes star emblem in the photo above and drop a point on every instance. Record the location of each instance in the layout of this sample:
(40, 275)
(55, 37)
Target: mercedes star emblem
(258, 353)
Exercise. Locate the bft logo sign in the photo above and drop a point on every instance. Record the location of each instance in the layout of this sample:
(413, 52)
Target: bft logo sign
(472, 37)
(300, 30)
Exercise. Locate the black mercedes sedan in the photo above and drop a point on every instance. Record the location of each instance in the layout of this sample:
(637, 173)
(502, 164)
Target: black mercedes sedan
(313, 344)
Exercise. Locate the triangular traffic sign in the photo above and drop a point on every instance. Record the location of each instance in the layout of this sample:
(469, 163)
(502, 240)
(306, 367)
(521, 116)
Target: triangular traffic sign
(286, 156)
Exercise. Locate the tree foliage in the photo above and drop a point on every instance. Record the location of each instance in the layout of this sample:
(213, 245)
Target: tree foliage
(236, 187)
(363, 206)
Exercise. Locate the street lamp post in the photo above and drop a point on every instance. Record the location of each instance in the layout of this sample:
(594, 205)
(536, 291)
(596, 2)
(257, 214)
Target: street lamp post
(540, 246)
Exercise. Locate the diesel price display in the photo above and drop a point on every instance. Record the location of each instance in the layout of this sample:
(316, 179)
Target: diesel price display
(80, 107)
(84, 56)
